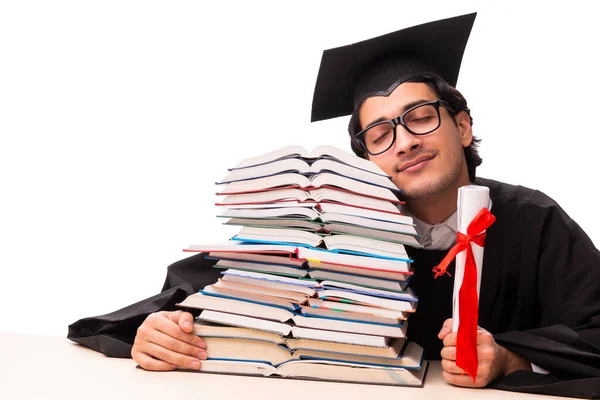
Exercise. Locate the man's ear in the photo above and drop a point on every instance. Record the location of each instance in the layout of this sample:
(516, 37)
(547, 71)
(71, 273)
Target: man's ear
(463, 122)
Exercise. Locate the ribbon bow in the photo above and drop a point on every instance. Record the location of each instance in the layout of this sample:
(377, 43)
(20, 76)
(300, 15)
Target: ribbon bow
(468, 307)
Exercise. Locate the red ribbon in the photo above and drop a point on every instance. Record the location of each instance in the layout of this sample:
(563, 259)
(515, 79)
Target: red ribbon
(468, 303)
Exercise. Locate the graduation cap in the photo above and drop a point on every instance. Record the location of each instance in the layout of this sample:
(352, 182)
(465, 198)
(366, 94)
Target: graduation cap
(375, 67)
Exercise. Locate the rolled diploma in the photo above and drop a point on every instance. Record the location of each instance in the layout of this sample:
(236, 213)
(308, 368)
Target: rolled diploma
(471, 199)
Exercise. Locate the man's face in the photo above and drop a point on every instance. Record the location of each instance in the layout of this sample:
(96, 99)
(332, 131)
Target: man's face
(423, 165)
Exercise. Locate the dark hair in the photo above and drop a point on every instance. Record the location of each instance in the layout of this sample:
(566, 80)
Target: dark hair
(445, 92)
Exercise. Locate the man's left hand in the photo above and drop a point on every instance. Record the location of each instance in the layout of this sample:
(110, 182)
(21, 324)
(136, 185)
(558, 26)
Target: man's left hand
(495, 361)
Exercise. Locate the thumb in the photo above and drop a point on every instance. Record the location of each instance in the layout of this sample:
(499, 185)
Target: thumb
(446, 329)
(186, 322)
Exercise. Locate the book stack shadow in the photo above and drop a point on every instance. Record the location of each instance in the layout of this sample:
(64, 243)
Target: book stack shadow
(316, 283)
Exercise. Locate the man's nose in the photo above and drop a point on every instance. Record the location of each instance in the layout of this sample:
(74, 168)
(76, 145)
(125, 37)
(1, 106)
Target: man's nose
(406, 142)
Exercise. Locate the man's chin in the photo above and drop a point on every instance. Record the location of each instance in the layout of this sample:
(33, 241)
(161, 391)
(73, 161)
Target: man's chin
(422, 189)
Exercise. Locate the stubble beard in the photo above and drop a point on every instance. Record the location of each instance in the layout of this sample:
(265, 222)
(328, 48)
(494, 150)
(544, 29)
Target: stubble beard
(435, 185)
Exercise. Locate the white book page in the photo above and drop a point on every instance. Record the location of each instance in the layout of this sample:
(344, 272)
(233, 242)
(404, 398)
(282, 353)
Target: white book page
(272, 155)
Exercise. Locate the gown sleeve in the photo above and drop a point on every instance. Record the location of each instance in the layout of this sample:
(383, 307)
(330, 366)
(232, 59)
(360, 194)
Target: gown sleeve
(113, 334)
(567, 340)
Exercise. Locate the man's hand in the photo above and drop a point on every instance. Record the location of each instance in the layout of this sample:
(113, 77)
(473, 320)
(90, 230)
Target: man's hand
(166, 341)
(494, 360)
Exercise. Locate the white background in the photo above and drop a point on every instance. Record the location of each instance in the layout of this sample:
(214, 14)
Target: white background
(117, 117)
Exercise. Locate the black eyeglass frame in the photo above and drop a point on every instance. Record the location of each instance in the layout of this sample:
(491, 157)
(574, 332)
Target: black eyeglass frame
(399, 120)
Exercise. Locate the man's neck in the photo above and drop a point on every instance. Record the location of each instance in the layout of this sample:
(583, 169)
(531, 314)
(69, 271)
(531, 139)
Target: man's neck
(437, 208)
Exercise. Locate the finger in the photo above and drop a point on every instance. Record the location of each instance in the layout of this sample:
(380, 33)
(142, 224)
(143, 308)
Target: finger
(151, 364)
(486, 353)
(175, 345)
(167, 326)
(449, 353)
(172, 315)
(463, 380)
(186, 322)
(450, 367)
(184, 319)
(169, 356)
(450, 339)
(446, 328)
(484, 337)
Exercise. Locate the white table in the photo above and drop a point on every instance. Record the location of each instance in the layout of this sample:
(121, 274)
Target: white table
(45, 367)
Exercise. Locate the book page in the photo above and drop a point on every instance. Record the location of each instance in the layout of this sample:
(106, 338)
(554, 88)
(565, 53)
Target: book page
(335, 371)
(346, 158)
(326, 165)
(271, 156)
(245, 322)
(236, 367)
(294, 165)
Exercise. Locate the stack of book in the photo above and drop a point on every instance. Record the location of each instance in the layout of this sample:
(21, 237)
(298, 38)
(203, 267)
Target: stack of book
(315, 284)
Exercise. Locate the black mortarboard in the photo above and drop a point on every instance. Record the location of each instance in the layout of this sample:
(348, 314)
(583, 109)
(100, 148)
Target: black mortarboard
(375, 67)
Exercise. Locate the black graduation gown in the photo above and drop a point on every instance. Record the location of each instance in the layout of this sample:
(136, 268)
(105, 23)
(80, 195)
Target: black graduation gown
(540, 296)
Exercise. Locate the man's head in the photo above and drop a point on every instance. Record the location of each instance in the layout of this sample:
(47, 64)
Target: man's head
(445, 156)
(381, 79)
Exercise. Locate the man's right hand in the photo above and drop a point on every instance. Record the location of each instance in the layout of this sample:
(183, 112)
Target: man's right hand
(166, 341)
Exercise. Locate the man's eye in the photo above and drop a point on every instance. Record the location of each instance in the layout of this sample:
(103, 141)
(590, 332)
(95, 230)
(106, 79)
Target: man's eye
(423, 119)
(381, 137)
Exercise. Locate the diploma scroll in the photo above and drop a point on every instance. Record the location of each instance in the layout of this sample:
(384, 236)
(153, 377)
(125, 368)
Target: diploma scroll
(471, 199)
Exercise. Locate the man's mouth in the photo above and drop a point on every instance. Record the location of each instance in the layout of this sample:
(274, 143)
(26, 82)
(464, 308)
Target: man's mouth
(416, 164)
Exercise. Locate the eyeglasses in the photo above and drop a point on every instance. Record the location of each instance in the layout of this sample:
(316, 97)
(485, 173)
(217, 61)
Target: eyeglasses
(422, 119)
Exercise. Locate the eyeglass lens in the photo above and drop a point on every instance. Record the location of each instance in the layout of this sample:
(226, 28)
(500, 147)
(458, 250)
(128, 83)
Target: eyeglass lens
(419, 121)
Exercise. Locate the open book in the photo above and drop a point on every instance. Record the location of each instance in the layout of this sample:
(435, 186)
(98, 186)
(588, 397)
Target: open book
(277, 352)
(298, 196)
(303, 168)
(334, 228)
(227, 261)
(320, 152)
(275, 262)
(235, 350)
(264, 283)
(355, 283)
(322, 370)
(392, 348)
(248, 314)
(364, 221)
(317, 258)
(314, 211)
(337, 243)
(322, 180)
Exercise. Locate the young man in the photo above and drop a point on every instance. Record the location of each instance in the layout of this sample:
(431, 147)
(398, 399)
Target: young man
(540, 287)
